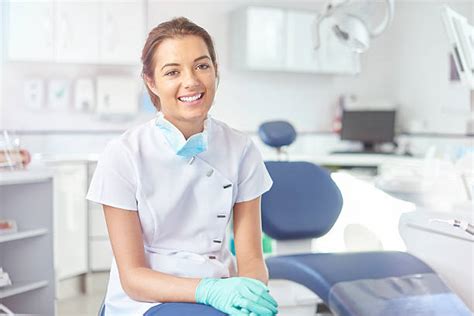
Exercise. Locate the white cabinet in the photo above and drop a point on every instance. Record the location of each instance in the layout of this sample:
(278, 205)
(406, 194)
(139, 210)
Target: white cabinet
(122, 32)
(300, 55)
(79, 31)
(100, 250)
(76, 27)
(70, 219)
(30, 30)
(264, 46)
(27, 255)
(282, 40)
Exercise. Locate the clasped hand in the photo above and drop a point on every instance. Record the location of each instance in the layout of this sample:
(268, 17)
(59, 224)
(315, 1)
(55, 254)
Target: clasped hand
(237, 296)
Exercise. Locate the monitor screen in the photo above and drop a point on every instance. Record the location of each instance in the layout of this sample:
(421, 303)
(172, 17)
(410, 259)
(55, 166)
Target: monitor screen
(368, 126)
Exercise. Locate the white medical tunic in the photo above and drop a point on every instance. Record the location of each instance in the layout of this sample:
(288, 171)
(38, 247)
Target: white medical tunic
(184, 204)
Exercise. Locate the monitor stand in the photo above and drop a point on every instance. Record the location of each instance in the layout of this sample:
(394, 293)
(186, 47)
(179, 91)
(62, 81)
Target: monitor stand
(368, 149)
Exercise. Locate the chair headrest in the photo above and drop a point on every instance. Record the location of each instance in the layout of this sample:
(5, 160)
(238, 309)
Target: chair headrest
(304, 202)
(277, 133)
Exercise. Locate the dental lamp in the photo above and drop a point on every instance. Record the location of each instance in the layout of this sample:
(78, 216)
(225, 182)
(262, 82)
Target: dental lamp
(349, 26)
(461, 37)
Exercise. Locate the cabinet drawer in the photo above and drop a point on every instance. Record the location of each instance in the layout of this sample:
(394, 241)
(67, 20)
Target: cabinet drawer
(100, 255)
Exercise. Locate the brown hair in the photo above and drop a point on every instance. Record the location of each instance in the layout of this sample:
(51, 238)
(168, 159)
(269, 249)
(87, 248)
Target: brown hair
(176, 27)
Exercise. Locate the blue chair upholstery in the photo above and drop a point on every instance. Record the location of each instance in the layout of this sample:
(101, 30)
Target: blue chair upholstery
(183, 309)
(177, 309)
(320, 271)
(277, 133)
(304, 202)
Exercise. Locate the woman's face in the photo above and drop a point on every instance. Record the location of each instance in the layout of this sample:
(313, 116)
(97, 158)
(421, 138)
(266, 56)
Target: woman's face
(184, 79)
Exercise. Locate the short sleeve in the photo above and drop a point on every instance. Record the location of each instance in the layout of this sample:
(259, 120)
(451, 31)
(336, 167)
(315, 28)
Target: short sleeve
(114, 181)
(253, 178)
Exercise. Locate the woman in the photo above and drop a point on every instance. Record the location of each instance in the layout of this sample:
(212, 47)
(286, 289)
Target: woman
(170, 186)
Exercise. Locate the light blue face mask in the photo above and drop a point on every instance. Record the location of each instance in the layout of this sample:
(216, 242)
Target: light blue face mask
(186, 148)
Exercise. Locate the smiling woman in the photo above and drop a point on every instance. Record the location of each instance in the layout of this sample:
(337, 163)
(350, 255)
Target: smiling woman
(169, 188)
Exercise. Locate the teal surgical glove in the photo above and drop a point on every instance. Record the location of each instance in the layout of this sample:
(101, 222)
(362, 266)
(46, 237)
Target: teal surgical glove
(249, 312)
(236, 296)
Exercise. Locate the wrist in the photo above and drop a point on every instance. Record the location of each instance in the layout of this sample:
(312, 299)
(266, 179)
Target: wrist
(202, 290)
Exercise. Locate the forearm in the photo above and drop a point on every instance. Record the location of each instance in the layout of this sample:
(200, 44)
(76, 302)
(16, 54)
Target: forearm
(144, 284)
(255, 269)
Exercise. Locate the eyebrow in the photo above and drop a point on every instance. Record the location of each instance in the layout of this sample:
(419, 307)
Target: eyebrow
(175, 64)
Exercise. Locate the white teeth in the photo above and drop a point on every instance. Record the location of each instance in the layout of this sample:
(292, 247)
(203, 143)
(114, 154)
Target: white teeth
(190, 99)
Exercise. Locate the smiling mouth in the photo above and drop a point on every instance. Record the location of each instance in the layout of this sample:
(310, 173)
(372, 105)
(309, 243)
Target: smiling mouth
(191, 98)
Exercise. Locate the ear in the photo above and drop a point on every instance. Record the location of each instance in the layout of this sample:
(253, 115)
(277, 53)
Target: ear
(216, 67)
(151, 85)
(217, 75)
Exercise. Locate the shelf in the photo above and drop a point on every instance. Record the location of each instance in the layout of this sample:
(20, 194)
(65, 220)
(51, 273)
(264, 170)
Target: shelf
(25, 176)
(23, 234)
(21, 287)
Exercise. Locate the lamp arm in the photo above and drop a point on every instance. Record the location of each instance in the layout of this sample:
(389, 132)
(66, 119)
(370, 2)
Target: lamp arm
(316, 31)
(389, 12)
(329, 10)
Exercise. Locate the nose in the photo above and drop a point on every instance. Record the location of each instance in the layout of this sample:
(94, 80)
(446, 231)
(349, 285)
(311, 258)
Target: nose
(191, 80)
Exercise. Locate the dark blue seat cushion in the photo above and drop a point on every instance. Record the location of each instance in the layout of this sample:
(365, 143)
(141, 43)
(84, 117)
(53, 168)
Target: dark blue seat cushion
(320, 271)
(183, 309)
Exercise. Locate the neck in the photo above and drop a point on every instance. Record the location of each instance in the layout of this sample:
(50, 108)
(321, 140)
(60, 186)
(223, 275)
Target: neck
(188, 128)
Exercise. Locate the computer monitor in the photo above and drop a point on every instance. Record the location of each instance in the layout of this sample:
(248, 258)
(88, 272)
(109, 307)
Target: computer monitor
(368, 127)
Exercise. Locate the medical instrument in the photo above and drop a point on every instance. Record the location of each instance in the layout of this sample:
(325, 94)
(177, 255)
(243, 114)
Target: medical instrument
(461, 37)
(350, 26)
(467, 227)
(231, 294)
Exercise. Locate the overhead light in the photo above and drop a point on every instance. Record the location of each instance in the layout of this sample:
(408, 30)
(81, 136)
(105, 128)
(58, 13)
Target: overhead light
(350, 28)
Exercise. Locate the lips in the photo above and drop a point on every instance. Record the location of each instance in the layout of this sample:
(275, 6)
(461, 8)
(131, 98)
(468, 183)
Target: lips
(191, 98)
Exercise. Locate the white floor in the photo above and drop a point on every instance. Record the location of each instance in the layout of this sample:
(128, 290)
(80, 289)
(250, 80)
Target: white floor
(84, 302)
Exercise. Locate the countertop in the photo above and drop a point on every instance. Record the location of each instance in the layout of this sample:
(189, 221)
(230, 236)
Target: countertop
(52, 158)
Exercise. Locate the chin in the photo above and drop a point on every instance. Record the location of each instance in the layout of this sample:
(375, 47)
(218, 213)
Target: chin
(196, 114)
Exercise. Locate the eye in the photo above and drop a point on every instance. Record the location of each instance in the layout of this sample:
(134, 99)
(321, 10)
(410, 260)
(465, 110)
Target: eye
(171, 73)
(203, 66)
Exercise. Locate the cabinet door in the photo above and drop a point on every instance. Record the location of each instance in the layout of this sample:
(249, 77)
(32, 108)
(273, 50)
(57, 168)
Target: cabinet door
(30, 31)
(265, 46)
(122, 34)
(77, 31)
(301, 55)
(70, 212)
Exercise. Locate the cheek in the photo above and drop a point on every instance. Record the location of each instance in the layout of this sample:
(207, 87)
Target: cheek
(211, 83)
(165, 88)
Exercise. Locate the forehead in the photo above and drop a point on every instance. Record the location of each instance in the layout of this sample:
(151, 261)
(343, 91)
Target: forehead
(180, 49)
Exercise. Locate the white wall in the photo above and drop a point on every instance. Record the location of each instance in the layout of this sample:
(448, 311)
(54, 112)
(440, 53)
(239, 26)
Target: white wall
(421, 69)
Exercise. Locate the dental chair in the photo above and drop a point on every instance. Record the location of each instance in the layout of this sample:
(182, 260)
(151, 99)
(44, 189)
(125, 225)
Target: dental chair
(304, 203)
